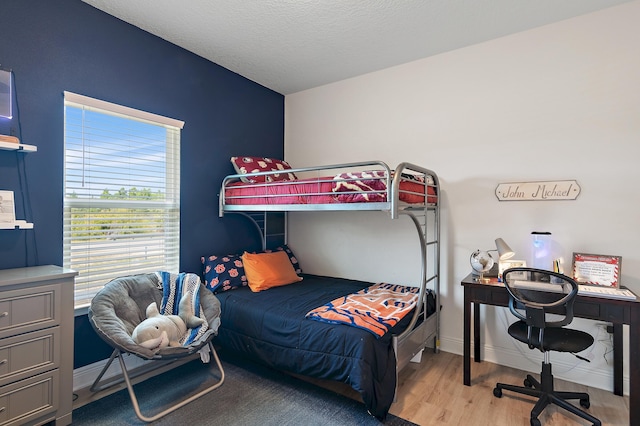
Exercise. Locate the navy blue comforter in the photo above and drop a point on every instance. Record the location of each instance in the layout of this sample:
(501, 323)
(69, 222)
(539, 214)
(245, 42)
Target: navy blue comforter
(270, 326)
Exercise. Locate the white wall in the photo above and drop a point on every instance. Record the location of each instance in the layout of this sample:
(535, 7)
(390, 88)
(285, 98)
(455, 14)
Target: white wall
(554, 103)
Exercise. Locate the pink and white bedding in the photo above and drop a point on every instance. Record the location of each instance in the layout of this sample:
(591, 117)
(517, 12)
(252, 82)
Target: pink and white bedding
(359, 187)
(300, 191)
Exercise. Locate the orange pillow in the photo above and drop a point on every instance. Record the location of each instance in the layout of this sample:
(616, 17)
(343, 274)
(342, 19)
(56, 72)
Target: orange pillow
(266, 270)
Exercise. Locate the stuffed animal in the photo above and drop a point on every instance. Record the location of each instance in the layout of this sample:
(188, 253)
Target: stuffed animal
(159, 331)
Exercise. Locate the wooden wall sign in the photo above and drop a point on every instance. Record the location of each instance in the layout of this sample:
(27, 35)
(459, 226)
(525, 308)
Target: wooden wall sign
(538, 191)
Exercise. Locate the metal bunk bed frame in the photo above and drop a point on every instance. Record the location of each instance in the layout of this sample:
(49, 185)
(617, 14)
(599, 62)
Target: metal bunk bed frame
(418, 335)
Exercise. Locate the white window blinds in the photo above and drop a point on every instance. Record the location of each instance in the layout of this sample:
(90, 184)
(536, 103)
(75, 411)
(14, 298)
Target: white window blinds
(121, 193)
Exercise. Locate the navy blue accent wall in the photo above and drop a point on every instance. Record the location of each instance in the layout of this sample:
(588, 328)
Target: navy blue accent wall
(53, 46)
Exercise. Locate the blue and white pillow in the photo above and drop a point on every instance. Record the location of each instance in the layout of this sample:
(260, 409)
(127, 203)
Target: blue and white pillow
(222, 273)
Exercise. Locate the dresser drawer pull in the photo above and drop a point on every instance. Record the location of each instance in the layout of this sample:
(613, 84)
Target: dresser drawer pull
(4, 314)
(4, 361)
(2, 409)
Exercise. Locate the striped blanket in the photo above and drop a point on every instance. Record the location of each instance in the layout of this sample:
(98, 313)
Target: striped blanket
(376, 308)
(174, 287)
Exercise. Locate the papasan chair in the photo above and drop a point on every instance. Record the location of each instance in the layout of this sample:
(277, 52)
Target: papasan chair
(121, 305)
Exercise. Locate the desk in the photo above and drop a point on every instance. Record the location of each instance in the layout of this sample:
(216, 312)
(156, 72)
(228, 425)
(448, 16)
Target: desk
(617, 312)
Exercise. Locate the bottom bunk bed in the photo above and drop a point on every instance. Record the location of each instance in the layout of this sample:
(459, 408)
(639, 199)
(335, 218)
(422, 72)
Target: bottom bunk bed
(271, 327)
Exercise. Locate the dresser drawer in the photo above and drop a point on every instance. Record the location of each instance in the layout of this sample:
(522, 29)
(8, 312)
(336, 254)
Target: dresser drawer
(29, 309)
(29, 354)
(30, 399)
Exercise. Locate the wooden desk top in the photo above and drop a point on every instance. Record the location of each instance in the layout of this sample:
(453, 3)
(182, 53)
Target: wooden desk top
(472, 281)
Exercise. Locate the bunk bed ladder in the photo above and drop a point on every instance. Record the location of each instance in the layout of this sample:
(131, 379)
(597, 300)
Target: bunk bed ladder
(415, 338)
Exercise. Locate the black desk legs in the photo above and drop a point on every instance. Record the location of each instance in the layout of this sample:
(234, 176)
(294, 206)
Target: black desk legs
(468, 305)
(617, 360)
(634, 365)
(466, 345)
(476, 333)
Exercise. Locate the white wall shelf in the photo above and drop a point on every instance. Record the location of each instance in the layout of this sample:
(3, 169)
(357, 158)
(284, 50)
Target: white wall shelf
(18, 224)
(10, 146)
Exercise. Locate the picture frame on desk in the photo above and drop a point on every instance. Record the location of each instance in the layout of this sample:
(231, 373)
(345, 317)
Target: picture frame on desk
(597, 269)
(512, 263)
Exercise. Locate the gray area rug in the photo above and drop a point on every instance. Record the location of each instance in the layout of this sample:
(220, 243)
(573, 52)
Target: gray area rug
(251, 395)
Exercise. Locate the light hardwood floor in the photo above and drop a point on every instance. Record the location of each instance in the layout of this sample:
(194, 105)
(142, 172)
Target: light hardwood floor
(431, 393)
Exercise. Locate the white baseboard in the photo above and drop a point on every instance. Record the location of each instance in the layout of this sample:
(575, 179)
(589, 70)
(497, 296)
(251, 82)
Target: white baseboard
(580, 372)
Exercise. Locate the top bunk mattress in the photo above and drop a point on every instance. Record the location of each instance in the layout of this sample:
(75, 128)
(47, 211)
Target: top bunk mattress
(324, 190)
(356, 183)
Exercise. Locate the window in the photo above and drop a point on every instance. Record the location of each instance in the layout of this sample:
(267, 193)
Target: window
(121, 193)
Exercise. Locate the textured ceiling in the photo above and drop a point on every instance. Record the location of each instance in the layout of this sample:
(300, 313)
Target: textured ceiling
(293, 45)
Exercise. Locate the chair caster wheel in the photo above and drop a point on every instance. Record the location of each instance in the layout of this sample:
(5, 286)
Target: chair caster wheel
(584, 403)
(497, 392)
(528, 383)
(535, 422)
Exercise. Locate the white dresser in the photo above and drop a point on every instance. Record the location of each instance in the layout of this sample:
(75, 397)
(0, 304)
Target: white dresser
(36, 345)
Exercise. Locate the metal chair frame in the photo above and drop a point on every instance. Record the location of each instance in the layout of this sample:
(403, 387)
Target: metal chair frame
(98, 386)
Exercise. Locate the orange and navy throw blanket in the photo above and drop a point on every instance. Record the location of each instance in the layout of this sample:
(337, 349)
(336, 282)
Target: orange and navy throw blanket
(376, 308)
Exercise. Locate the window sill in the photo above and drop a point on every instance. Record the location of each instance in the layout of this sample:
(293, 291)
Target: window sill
(81, 310)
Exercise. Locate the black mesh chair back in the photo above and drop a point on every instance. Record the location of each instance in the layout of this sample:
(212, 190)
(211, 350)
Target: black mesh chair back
(542, 301)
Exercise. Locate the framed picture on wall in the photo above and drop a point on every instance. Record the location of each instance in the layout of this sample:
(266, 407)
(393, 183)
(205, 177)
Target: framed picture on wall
(7, 207)
(5, 93)
(597, 269)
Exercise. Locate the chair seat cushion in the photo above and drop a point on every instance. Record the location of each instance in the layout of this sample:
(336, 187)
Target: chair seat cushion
(559, 339)
(121, 305)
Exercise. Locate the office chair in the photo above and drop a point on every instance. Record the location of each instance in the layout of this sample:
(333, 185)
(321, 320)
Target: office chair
(543, 303)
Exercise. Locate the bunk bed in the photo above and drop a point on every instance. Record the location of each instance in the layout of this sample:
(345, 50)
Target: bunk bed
(270, 326)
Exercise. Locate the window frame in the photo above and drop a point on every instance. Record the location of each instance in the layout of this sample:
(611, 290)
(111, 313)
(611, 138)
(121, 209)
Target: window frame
(168, 207)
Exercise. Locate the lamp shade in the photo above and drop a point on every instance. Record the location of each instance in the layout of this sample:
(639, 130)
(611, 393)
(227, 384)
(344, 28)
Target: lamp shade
(504, 251)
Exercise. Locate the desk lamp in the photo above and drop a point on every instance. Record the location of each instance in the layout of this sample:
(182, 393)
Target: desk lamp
(504, 251)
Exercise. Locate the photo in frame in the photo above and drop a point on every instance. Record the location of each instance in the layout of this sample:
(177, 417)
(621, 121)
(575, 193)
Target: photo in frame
(5, 94)
(597, 269)
(7, 207)
(512, 263)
